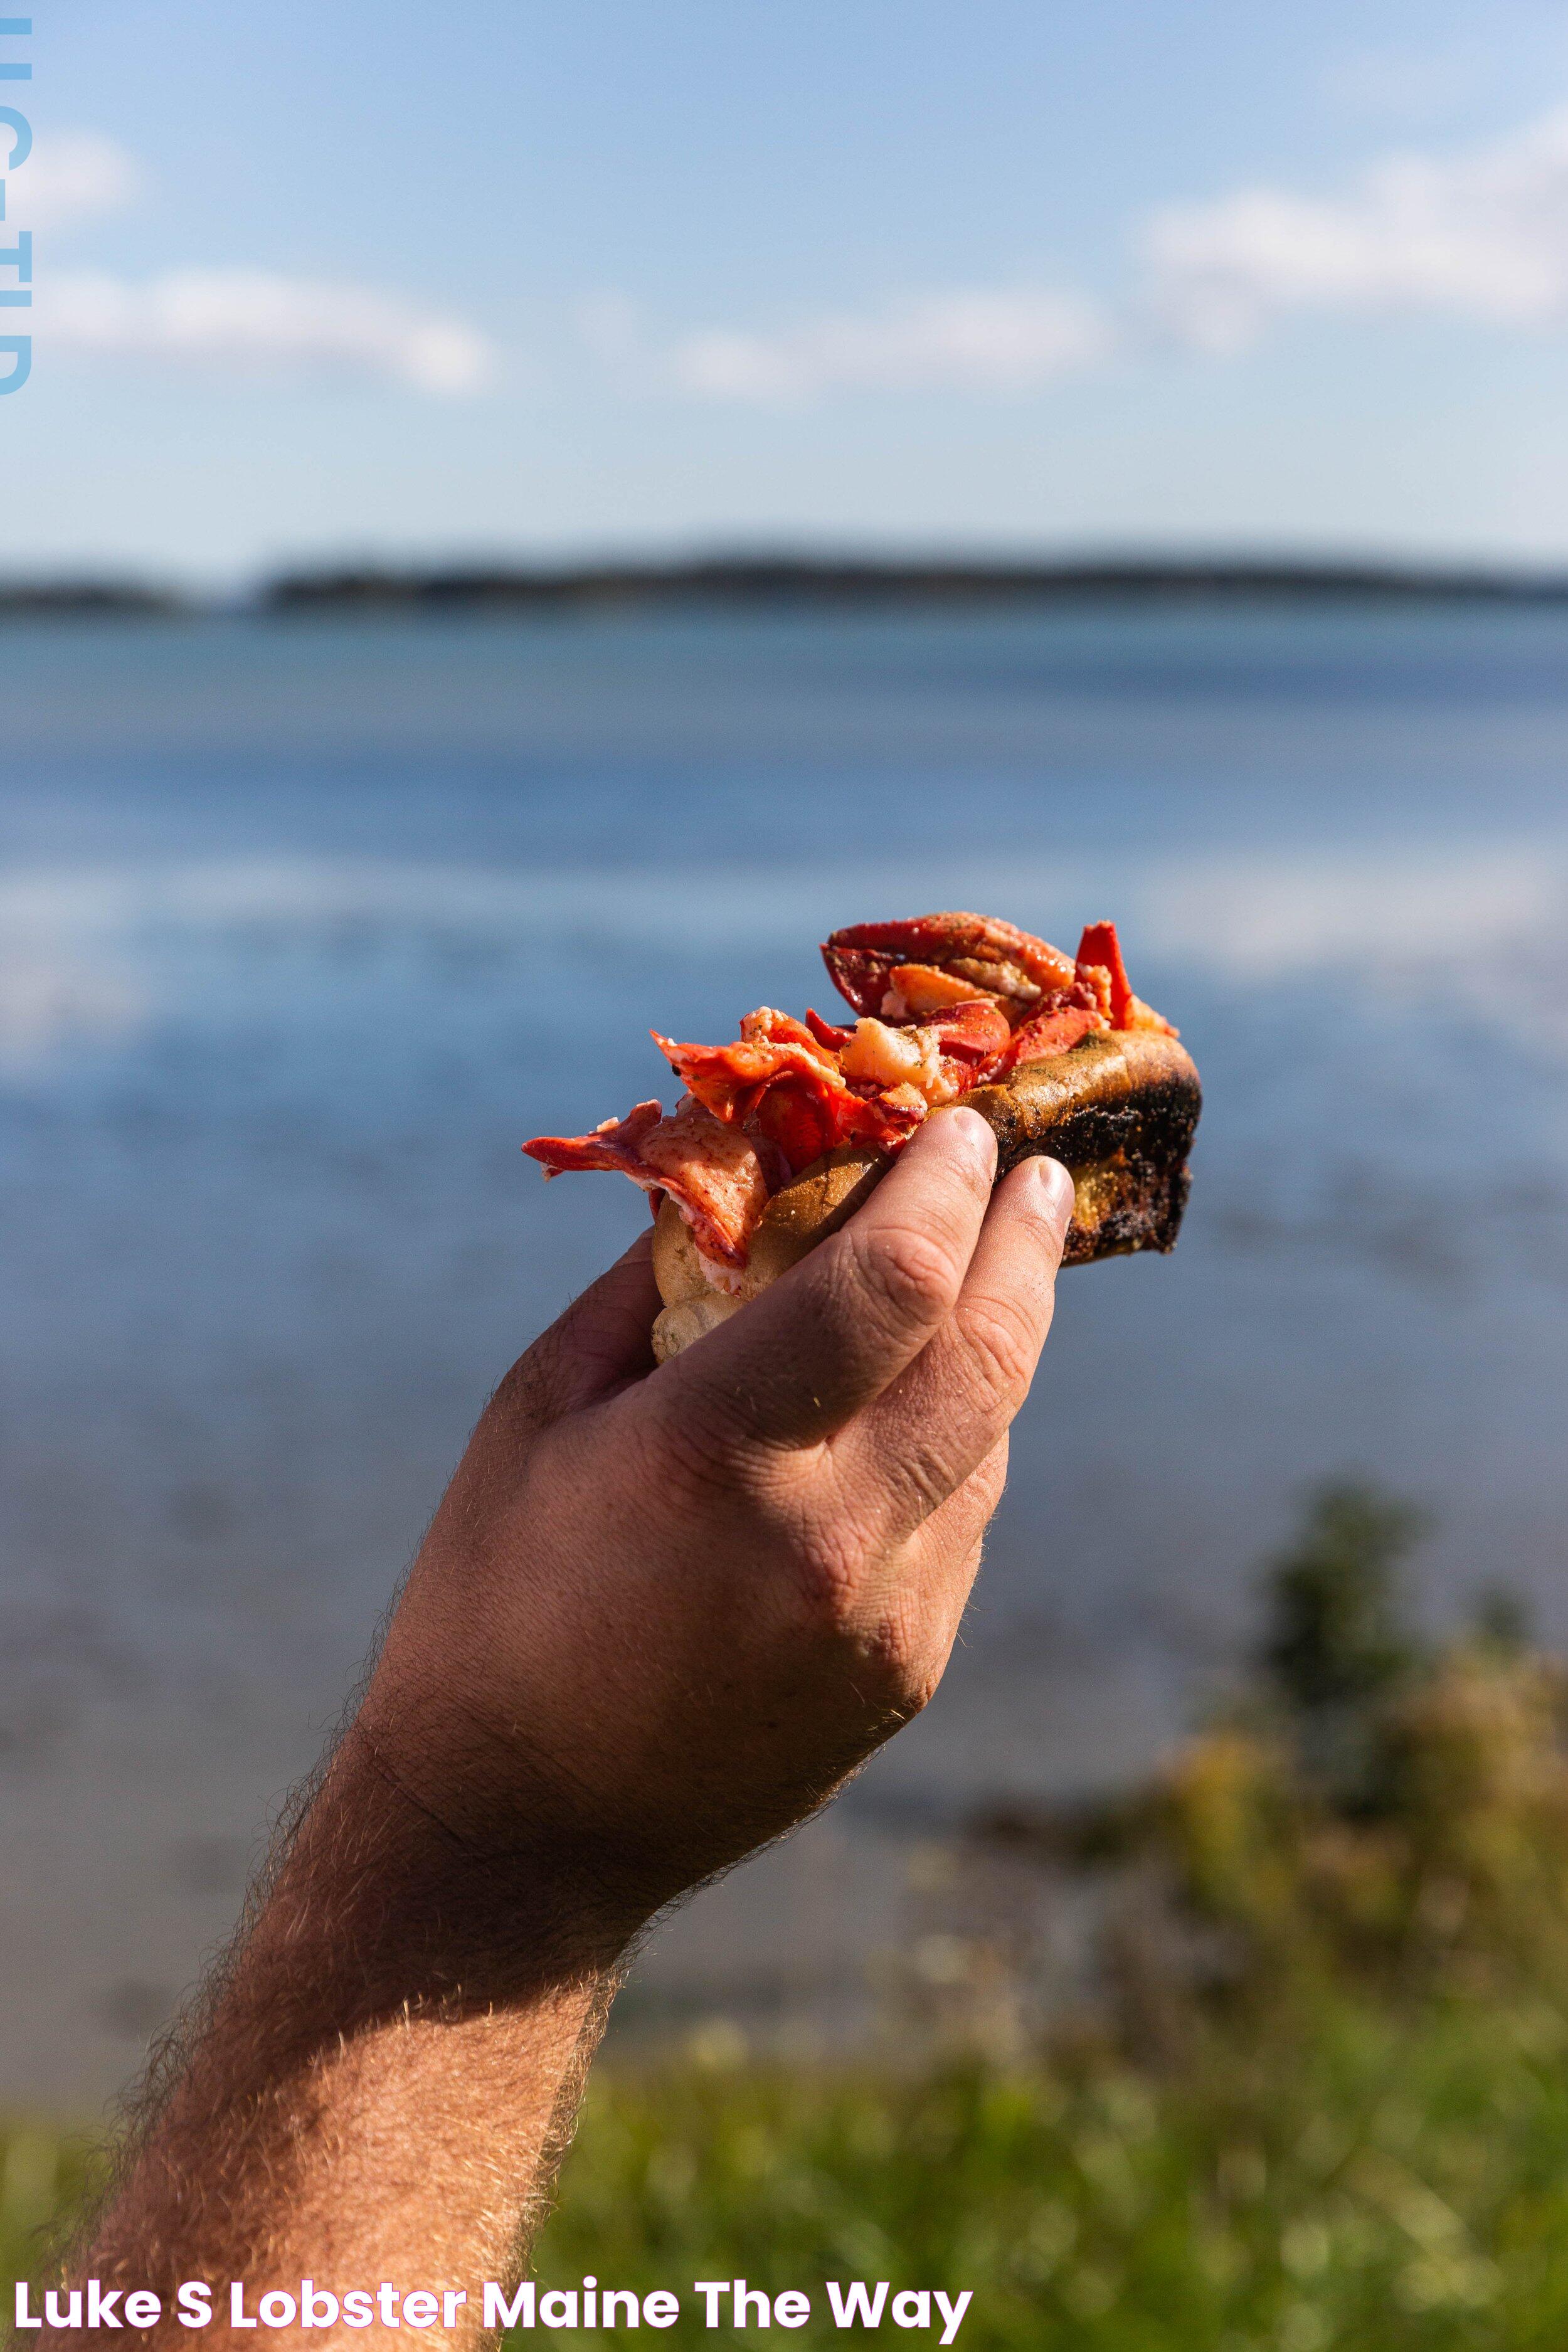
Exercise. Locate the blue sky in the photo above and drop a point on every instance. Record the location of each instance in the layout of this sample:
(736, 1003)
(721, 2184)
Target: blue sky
(392, 280)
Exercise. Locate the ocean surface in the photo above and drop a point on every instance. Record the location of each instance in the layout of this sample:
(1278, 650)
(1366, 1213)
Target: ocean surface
(305, 925)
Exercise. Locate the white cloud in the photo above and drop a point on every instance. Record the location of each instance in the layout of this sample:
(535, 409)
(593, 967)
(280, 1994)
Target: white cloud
(72, 176)
(1480, 236)
(987, 341)
(257, 322)
(224, 319)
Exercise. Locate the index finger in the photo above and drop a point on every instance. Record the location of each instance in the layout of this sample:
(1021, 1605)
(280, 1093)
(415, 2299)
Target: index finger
(825, 1339)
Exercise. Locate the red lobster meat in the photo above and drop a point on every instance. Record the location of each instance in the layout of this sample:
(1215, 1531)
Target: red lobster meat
(935, 960)
(945, 1002)
(720, 1177)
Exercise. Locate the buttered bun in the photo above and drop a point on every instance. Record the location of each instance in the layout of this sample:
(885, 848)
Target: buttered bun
(794, 1222)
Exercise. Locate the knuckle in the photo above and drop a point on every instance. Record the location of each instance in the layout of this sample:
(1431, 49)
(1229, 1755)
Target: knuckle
(906, 1270)
(906, 1675)
(821, 1546)
(928, 1477)
(828, 1559)
(999, 1340)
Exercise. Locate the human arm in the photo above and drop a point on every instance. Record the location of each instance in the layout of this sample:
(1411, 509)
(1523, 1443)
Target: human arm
(659, 1618)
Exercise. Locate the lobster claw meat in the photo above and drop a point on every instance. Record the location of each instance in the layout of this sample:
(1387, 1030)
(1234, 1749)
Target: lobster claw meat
(1100, 952)
(894, 970)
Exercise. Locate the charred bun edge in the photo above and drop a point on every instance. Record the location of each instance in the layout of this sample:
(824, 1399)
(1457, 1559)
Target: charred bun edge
(1117, 1111)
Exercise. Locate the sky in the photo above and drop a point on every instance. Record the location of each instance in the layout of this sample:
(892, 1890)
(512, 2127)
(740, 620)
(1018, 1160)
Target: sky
(317, 283)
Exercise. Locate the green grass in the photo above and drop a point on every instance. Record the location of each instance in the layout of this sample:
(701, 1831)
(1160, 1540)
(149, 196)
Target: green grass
(45, 2176)
(1366, 2184)
(1320, 2103)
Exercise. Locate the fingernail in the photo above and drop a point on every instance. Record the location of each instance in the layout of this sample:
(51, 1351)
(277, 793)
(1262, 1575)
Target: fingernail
(1055, 1189)
(977, 1134)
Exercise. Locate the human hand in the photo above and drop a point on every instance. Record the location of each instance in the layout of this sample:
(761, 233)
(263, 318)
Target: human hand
(660, 1615)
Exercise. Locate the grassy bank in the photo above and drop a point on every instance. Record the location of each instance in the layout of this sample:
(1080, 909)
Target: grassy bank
(1366, 2186)
(1312, 2093)
(1371, 2184)
(46, 2174)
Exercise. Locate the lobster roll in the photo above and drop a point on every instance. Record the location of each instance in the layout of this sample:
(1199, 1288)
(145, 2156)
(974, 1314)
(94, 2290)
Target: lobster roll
(781, 1134)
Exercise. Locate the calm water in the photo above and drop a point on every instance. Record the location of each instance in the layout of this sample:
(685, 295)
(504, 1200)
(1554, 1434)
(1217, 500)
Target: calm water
(302, 929)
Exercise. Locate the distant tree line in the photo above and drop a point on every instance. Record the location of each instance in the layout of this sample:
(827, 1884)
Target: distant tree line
(773, 580)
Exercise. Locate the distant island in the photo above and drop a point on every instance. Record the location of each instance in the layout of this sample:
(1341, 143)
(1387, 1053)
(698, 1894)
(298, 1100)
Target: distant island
(86, 599)
(772, 582)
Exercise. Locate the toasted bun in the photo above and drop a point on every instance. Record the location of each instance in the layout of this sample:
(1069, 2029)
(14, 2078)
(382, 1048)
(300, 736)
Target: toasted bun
(1119, 1110)
(794, 1222)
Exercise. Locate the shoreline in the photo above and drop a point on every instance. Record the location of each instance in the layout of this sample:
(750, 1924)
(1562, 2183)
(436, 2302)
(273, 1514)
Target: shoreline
(784, 582)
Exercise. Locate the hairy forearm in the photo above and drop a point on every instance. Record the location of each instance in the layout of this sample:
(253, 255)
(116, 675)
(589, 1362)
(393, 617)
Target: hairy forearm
(656, 1620)
(387, 2078)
